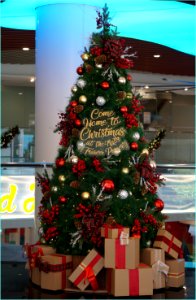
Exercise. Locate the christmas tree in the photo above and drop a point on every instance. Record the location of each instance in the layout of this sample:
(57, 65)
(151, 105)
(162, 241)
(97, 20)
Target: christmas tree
(104, 170)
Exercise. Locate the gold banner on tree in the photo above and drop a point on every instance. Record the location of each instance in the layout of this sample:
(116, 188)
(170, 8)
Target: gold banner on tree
(102, 133)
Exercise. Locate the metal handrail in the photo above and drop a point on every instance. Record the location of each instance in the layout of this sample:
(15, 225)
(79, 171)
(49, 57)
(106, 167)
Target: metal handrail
(49, 164)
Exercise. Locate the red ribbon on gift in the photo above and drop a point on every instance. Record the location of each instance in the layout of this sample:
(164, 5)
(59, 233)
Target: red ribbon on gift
(88, 273)
(133, 282)
(115, 226)
(120, 252)
(33, 257)
(170, 243)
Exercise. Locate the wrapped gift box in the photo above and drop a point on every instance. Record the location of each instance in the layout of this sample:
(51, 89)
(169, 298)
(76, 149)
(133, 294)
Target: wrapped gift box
(87, 270)
(34, 254)
(168, 242)
(176, 275)
(156, 259)
(122, 256)
(136, 282)
(55, 270)
(113, 231)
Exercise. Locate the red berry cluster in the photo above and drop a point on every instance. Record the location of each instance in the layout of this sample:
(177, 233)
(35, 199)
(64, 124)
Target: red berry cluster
(136, 105)
(43, 182)
(79, 168)
(149, 219)
(51, 232)
(97, 165)
(48, 216)
(91, 219)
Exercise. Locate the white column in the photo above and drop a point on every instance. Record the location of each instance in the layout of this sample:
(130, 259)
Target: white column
(63, 30)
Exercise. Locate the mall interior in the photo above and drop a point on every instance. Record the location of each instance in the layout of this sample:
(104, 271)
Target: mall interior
(40, 53)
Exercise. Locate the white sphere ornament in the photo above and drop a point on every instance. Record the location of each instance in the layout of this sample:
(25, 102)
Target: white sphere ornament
(74, 159)
(122, 80)
(80, 145)
(100, 101)
(123, 194)
(81, 83)
(136, 136)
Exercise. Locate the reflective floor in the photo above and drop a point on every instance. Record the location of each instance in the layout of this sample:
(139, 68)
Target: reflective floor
(15, 284)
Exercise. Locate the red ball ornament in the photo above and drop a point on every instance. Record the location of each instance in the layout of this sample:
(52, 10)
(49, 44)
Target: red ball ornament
(159, 204)
(78, 122)
(124, 109)
(62, 199)
(60, 162)
(134, 146)
(80, 71)
(105, 85)
(129, 77)
(107, 185)
(73, 103)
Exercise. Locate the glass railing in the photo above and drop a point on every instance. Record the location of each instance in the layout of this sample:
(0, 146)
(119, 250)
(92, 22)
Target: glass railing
(177, 147)
(19, 215)
(178, 193)
(21, 148)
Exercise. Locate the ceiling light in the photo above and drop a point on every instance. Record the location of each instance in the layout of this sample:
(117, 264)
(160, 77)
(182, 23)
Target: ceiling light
(20, 93)
(185, 89)
(25, 49)
(146, 87)
(32, 79)
(156, 55)
(170, 101)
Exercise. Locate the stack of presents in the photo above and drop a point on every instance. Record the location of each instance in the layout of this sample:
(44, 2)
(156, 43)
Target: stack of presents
(128, 271)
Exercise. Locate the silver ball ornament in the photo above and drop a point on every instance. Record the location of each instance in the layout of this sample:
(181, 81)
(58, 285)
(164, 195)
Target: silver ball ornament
(81, 83)
(136, 136)
(123, 194)
(122, 80)
(100, 101)
(80, 145)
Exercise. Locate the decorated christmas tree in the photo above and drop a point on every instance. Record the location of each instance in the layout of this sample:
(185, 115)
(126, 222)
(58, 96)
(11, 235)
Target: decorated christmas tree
(104, 171)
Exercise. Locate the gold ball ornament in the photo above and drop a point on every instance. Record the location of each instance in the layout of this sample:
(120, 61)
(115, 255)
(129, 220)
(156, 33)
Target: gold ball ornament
(85, 195)
(54, 188)
(153, 164)
(85, 56)
(116, 151)
(145, 152)
(125, 170)
(129, 96)
(61, 178)
(74, 88)
(83, 99)
(99, 66)
(43, 241)
(74, 159)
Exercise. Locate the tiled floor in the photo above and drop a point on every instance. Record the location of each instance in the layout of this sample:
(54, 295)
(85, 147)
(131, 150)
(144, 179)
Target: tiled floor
(15, 284)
